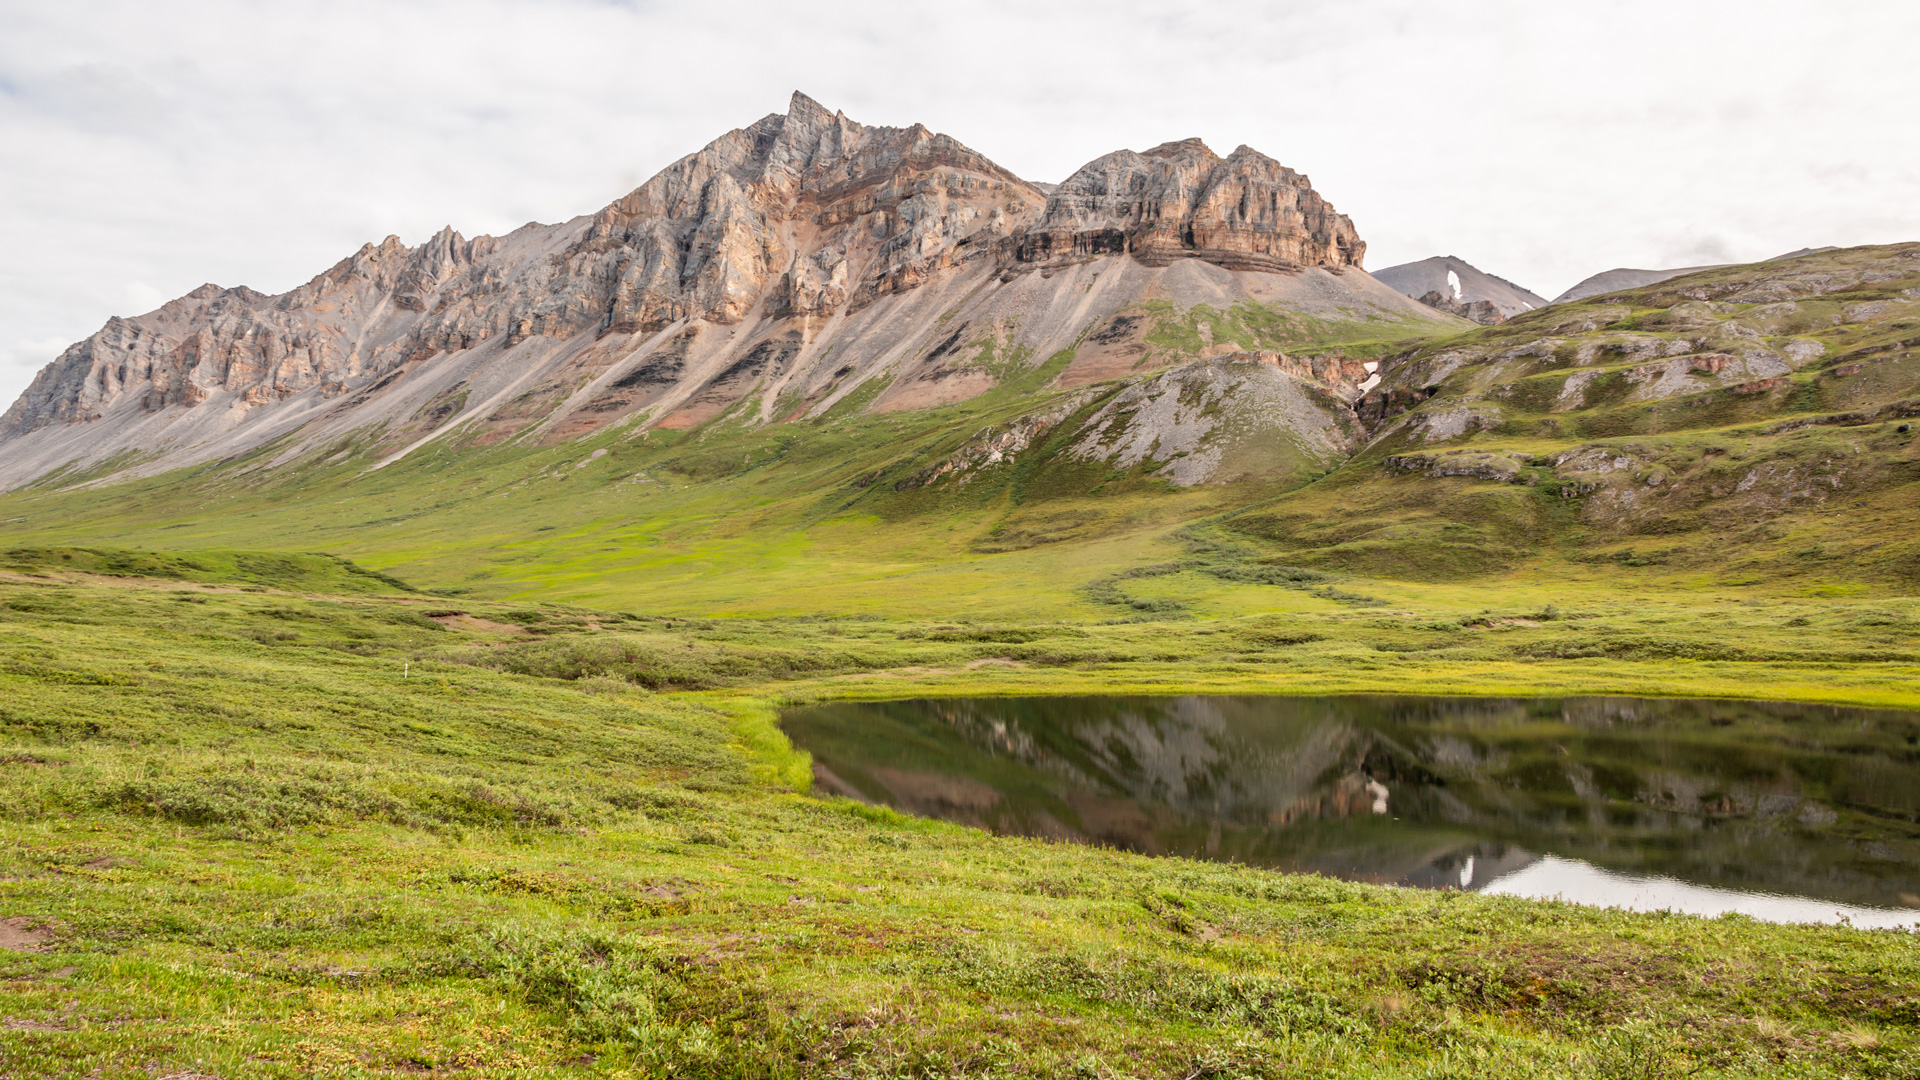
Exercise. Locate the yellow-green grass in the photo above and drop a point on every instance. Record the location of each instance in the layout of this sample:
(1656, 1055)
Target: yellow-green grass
(267, 831)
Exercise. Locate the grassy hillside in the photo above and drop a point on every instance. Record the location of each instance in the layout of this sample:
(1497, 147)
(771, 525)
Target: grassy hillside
(276, 832)
(1753, 426)
(715, 520)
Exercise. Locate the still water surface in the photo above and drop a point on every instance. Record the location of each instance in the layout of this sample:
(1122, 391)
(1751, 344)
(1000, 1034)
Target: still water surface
(1790, 813)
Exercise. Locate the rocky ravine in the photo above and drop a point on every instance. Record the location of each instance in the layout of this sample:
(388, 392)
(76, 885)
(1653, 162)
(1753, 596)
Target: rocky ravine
(782, 268)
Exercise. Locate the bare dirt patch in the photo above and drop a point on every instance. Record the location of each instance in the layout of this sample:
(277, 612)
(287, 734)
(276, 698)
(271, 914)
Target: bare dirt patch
(476, 624)
(23, 933)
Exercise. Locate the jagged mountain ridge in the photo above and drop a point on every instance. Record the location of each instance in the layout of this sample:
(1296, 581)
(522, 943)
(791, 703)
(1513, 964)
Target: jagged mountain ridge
(776, 272)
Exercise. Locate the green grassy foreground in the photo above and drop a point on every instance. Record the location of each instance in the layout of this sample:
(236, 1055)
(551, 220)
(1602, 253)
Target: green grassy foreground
(258, 823)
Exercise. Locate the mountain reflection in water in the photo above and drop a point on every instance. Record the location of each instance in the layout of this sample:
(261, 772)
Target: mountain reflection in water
(1598, 800)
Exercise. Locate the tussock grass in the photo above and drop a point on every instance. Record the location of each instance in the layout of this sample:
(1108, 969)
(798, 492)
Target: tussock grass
(379, 849)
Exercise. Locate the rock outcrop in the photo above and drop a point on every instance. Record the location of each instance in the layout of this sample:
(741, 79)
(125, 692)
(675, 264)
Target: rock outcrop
(1481, 311)
(1216, 421)
(767, 276)
(1181, 200)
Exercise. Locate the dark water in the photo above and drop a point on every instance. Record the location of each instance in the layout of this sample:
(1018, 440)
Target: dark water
(1798, 813)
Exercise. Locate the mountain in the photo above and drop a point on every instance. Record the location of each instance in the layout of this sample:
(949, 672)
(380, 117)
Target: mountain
(1623, 278)
(1455, 286)
(803, 264)
(825, 366)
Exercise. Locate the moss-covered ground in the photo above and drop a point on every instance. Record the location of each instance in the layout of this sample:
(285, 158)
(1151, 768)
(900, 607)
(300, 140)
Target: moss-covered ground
(256, 823)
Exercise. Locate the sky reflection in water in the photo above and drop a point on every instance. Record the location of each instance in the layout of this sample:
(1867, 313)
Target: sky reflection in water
(1789, 813)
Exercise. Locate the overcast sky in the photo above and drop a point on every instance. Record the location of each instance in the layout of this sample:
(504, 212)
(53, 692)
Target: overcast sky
(147, 147)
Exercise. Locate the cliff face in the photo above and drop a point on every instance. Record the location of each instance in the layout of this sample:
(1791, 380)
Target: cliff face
(809, 211)
(782, 266)
(1181, 200)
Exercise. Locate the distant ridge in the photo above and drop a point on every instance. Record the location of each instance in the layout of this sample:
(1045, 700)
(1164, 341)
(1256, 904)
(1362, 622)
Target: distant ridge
(1623, 278)
(1454, 285)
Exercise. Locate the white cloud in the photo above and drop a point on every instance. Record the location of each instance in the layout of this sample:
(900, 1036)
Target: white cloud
(249, 142)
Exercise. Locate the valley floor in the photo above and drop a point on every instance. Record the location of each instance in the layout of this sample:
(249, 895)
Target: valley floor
(276, 816)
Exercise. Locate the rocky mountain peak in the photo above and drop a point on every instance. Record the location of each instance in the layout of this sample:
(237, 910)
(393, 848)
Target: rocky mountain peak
(802, 109)
(810, 206)
(807, 137)
(1179, 148)
(717, 275)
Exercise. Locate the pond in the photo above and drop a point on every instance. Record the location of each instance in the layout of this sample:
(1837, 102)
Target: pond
(1786, 812)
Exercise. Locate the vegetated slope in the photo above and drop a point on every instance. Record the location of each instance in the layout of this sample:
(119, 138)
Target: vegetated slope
(1458, 287)
(252, 569)
(1621, 278)
(260, 833)
(1709, 427)
(1746, 422)
(850, 511)
(800, 265)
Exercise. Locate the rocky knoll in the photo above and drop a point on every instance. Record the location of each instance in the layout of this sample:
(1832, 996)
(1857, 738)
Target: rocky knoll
(773, 274)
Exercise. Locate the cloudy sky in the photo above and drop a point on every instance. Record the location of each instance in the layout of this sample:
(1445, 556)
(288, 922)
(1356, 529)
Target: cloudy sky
(148, 147)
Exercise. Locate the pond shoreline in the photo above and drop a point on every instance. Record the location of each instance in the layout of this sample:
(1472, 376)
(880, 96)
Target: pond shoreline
(1427, 791)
